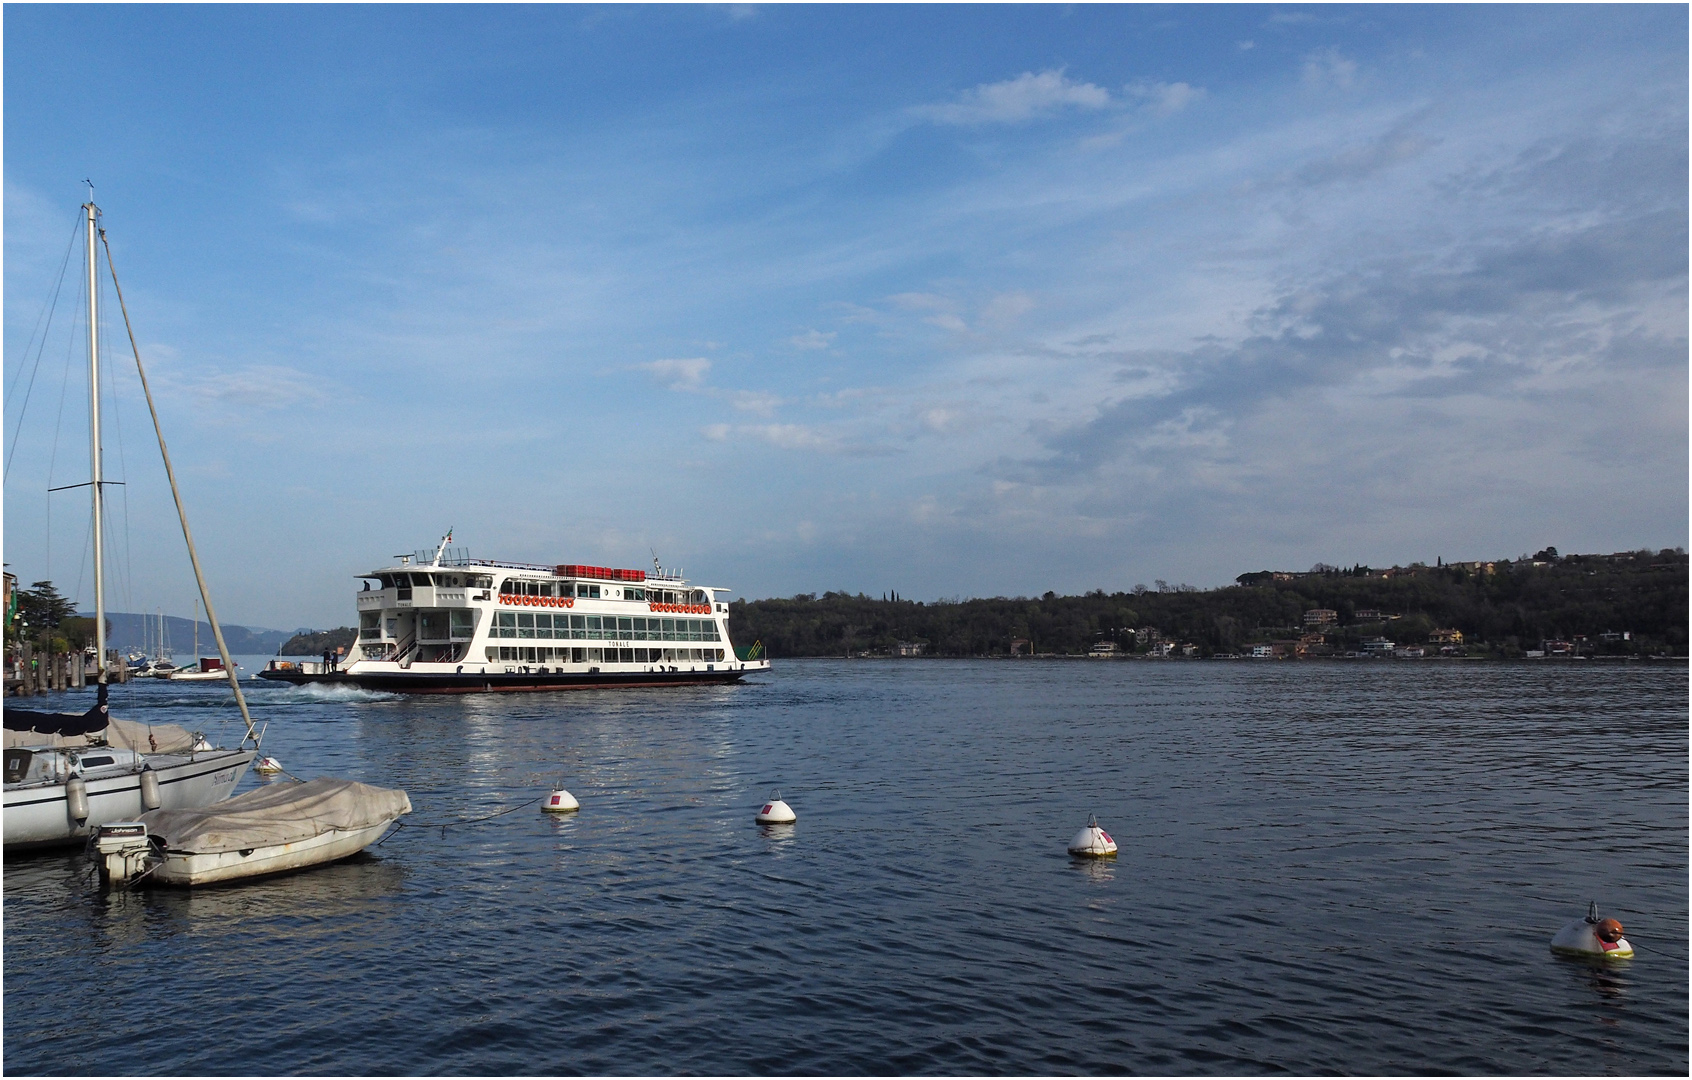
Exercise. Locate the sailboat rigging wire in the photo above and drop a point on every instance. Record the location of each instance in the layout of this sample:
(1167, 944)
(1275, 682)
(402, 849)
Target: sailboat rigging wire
(53, 456)
(181, 511)
(87, 539)
(123, 464)
(24, 408)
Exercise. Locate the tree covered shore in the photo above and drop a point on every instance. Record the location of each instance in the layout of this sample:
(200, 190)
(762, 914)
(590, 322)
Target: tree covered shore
(1626, 604)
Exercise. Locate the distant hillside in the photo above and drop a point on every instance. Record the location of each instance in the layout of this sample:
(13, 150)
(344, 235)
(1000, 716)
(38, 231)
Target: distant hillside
(313, 643)
(132, 631)
(1629, 603)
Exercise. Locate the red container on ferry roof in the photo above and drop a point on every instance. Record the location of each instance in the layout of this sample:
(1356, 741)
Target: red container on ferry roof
(603, 573)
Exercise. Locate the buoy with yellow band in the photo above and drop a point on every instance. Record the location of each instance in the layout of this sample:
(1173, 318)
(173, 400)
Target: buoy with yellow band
(775, 812)
(560, 802)
(1592, 938)
(1092, 842)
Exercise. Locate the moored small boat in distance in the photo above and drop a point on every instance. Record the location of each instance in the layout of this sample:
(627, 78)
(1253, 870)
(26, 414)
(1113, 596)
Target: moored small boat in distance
(210, 670)
(454, 625)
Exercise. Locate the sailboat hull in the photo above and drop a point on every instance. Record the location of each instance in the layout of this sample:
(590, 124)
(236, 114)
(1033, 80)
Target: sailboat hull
(38, 815)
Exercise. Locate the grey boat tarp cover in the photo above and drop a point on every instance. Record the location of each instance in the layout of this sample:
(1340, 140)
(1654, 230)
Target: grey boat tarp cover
(277, 814)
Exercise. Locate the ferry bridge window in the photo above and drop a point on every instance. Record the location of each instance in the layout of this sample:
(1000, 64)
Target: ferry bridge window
(386, 581)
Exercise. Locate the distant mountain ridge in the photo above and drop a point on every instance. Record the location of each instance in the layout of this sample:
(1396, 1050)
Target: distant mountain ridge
(130, 630)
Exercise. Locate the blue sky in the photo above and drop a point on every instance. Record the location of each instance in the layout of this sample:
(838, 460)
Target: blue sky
(956, 301)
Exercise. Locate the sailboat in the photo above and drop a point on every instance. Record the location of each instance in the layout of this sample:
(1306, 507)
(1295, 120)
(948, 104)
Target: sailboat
(163, 663)
(66, 774)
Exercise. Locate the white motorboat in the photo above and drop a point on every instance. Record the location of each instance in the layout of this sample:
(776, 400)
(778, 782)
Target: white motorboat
(211, 667)
(210, 670)
(269, 831)
(66, 774)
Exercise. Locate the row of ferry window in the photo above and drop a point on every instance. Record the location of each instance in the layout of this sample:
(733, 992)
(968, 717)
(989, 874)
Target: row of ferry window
(527, 624)
(445, 581)
(527, 655)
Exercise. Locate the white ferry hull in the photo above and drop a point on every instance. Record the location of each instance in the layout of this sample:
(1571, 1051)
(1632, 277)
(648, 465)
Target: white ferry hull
(491, 678)
(38, 815)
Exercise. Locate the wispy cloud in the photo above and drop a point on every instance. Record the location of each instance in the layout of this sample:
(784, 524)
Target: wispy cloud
(259, 386)
(681, 375)
(812, 339)
(1014, 101)
(1326, 67)
(1164, 99)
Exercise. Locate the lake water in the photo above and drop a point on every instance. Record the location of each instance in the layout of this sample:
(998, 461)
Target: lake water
(1351, 867)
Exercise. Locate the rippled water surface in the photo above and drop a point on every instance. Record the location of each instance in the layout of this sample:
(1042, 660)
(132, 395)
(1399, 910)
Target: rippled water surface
(1324, 867)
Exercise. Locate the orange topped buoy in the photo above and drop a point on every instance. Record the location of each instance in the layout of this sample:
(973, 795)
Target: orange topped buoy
(1593, 937)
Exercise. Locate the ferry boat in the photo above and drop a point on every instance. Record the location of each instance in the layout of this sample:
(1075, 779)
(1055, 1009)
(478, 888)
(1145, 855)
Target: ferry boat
(451, 624)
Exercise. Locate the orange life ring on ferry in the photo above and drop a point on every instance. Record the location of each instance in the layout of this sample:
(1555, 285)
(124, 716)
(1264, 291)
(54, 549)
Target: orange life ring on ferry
(569, 601)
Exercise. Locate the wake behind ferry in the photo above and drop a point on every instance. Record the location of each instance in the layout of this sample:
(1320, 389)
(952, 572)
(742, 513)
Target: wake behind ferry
(450, 624)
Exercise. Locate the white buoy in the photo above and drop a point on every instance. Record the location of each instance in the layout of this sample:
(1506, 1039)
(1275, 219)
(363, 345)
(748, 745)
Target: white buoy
(267, 766)
(1092, 841)
(560, 802)
(1593, 937)
(776, 812)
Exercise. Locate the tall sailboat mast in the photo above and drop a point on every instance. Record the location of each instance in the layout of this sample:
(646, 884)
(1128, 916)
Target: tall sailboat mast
(93, 215)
